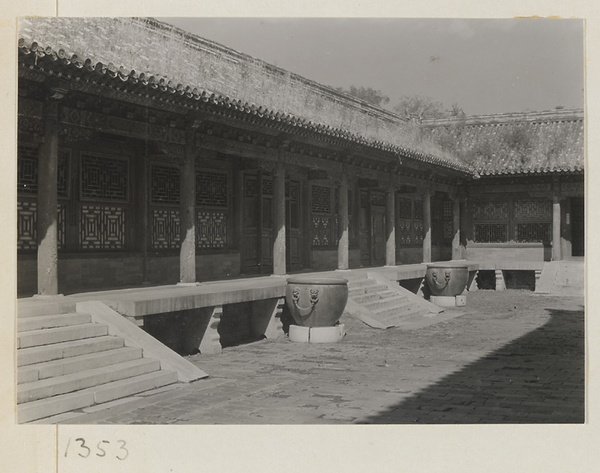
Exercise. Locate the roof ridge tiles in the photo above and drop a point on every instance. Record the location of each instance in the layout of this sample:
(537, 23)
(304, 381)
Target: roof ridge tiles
(162, 83)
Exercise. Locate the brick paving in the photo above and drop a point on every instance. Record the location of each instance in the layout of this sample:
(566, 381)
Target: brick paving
(509, 357)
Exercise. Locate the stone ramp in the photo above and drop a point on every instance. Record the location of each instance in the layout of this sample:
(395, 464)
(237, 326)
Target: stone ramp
(67, 360)
(565, 277)
(381, 303)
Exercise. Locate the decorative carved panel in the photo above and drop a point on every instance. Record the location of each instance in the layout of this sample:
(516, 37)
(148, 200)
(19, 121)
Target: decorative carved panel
(489, 210)
(165, 229)
(165, 185)
(104, 178)
(27, 170)
(102, 227)
(378, 199)
(447, 230)
(404, 208)
(27, 225)
(211, 229)
(491, 232)
(533, 232)
(418, 209)
(321, 199)
(212, 188)
(322, 225)
(533, 210)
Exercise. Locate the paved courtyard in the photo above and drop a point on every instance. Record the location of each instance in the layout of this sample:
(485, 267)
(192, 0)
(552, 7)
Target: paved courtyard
(508, 357)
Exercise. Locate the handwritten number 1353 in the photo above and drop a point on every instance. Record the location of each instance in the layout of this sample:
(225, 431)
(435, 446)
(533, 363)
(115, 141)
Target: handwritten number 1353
(101, 449)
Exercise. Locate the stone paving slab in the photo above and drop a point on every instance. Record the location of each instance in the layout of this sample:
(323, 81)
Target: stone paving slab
(508, 357)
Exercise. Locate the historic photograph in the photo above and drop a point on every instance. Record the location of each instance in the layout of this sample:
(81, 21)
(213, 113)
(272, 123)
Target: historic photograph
(300, 221)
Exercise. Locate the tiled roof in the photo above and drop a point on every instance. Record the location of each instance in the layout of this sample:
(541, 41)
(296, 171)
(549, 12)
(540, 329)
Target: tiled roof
(515, 143)
(59, 61)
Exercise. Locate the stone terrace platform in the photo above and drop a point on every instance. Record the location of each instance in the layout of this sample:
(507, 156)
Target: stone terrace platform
(141, 301)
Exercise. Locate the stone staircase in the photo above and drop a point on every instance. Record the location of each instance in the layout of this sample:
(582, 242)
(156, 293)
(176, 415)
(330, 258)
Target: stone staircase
(381, 303)
(67, 362)
(565, 278)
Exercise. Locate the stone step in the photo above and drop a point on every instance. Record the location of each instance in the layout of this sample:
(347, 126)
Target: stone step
(397, 318)
(375, 288)
(383, 303)
(46, 388)
(39, 322)
(363, 298)
(396, 310)
(60, 334)
(34, 308)
(357, 283)
(55, 368)
(40, 354)
(94, 395)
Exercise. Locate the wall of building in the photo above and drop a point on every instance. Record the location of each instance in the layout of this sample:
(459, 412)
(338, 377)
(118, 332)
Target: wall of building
(327, 260)
(86, 273)
(530, 252)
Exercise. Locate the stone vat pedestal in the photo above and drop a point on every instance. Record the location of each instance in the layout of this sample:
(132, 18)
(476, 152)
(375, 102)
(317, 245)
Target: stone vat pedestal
(317, 334)
(449, 301)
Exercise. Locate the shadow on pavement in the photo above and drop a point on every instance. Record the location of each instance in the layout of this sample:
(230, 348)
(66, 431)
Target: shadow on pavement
(537, 378)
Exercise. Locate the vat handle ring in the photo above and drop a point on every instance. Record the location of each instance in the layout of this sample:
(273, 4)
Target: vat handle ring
(314, 298)
(446, 279)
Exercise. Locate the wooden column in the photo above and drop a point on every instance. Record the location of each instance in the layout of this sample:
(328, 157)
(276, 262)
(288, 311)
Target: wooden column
(279, 268)
(343, 237)
(556, 243)
(456, 246)
(187, 213)
(47, 205)
(427, 227)
(390, 223)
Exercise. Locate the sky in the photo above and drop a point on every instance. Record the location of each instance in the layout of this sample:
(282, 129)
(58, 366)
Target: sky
(484, 66)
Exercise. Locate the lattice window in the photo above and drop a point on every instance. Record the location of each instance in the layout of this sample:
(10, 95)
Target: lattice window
(251, 184)
(447, 228)
(211, 229)
(447, 210)
(418, 209)
(404, 208)
(447, 224)
(27, 225)
(405, 231)
(491, 232)
(165, 185)
(418, 232)
(322, 226)
(321, 199)
(27, 171)
(378, 199)
(212, 188)
(533, 232)
(102, 227)
(336, 201)
(536, 210)
(104, 178)
(267, 186)
(63, 172)
(489, 210)
(364, 199)
(165, 229)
